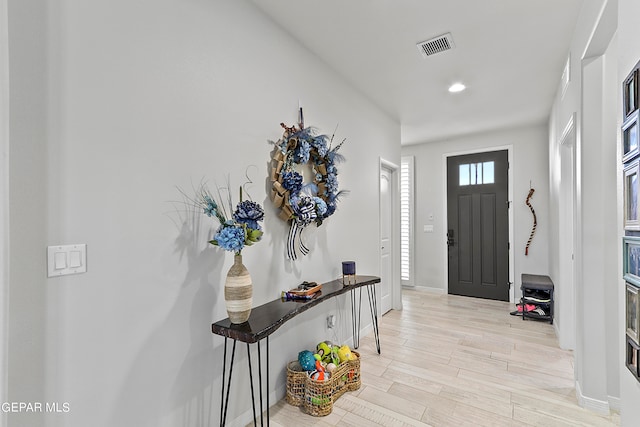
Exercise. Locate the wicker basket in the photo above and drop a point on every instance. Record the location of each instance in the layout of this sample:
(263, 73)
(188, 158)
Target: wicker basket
(317, 397)
(296, 380)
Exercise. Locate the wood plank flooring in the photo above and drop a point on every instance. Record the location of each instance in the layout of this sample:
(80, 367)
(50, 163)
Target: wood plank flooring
(457, 361)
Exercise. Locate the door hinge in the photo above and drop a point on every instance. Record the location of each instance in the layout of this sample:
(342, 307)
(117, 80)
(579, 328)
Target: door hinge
(509, 248)
(508, 202)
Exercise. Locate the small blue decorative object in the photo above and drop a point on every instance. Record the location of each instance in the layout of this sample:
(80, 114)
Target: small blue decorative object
(306, 360)
(348, 267)
(348, 272)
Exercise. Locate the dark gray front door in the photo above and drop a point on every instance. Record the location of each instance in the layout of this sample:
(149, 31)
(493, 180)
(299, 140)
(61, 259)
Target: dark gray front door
(478, 225)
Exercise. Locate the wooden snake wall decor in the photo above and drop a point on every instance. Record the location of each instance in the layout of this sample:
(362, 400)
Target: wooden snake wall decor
(535, 221)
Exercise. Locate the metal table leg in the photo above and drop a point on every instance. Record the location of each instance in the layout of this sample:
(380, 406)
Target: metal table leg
(355, 316)
(267, 367)
(373, 305)
(224, 401)
(260, 381)
(253, 398)
(224, 404)
(356, 309)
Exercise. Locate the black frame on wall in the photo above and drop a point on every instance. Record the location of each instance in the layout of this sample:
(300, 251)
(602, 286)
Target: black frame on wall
(630, 141)
(632, 303)
(630, 93)
(631, 185)
(630, 135)
(632, 357)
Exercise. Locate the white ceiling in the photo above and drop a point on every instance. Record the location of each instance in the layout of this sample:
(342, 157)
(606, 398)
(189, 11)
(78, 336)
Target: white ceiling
(509, 53)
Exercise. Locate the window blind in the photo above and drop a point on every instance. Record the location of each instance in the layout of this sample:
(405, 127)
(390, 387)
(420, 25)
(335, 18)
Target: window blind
(406, 220)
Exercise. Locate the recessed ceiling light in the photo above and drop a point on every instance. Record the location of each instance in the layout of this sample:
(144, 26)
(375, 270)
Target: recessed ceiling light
(457, 87)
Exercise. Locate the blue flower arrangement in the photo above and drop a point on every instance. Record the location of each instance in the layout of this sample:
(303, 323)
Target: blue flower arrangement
(236, 230)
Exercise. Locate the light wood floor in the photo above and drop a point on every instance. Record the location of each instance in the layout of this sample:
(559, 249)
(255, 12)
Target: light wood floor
(457, 361)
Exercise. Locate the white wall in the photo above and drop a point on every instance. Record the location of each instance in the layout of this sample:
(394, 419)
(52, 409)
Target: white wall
(592, 96)
(28, 209)
(4, 203)
(529, 167)
(628, 55)
(143, 97)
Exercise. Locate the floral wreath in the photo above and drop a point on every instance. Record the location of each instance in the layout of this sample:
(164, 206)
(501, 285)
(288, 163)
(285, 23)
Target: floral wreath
(299, 202)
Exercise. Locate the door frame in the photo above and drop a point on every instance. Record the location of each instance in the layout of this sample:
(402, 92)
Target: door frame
(566, 327)
(444, 249)
(396, 291)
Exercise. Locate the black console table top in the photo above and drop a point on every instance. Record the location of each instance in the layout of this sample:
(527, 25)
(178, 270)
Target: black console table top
(267, 318)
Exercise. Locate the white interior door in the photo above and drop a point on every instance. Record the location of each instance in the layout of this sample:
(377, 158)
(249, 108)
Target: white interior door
(386, 239)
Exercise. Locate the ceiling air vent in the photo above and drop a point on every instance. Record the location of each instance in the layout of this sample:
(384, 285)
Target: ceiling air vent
(436, 45)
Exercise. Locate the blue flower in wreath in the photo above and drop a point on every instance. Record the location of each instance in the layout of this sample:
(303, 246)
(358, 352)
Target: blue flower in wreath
(331, 208)
(249, 212)
(320, 144)
(302, 152)
(292, 181)
(321, 206)
(332, 184)
(305, 134)
(230, 238)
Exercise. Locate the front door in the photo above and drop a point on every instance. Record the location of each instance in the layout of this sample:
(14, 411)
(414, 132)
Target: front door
(478, 225)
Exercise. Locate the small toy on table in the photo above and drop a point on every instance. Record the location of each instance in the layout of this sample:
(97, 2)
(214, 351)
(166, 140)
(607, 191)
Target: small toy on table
(304, 292)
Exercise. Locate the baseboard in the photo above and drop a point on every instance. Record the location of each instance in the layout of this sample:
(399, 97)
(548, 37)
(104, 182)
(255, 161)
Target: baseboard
(246, 418)
(428, 289)
(614, 404)
(364, 331)
(598, 406)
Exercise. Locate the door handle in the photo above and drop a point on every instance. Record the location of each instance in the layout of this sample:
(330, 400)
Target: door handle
(450, 241)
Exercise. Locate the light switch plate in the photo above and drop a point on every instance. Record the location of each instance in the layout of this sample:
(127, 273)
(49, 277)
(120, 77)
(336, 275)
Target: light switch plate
(66, 259)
